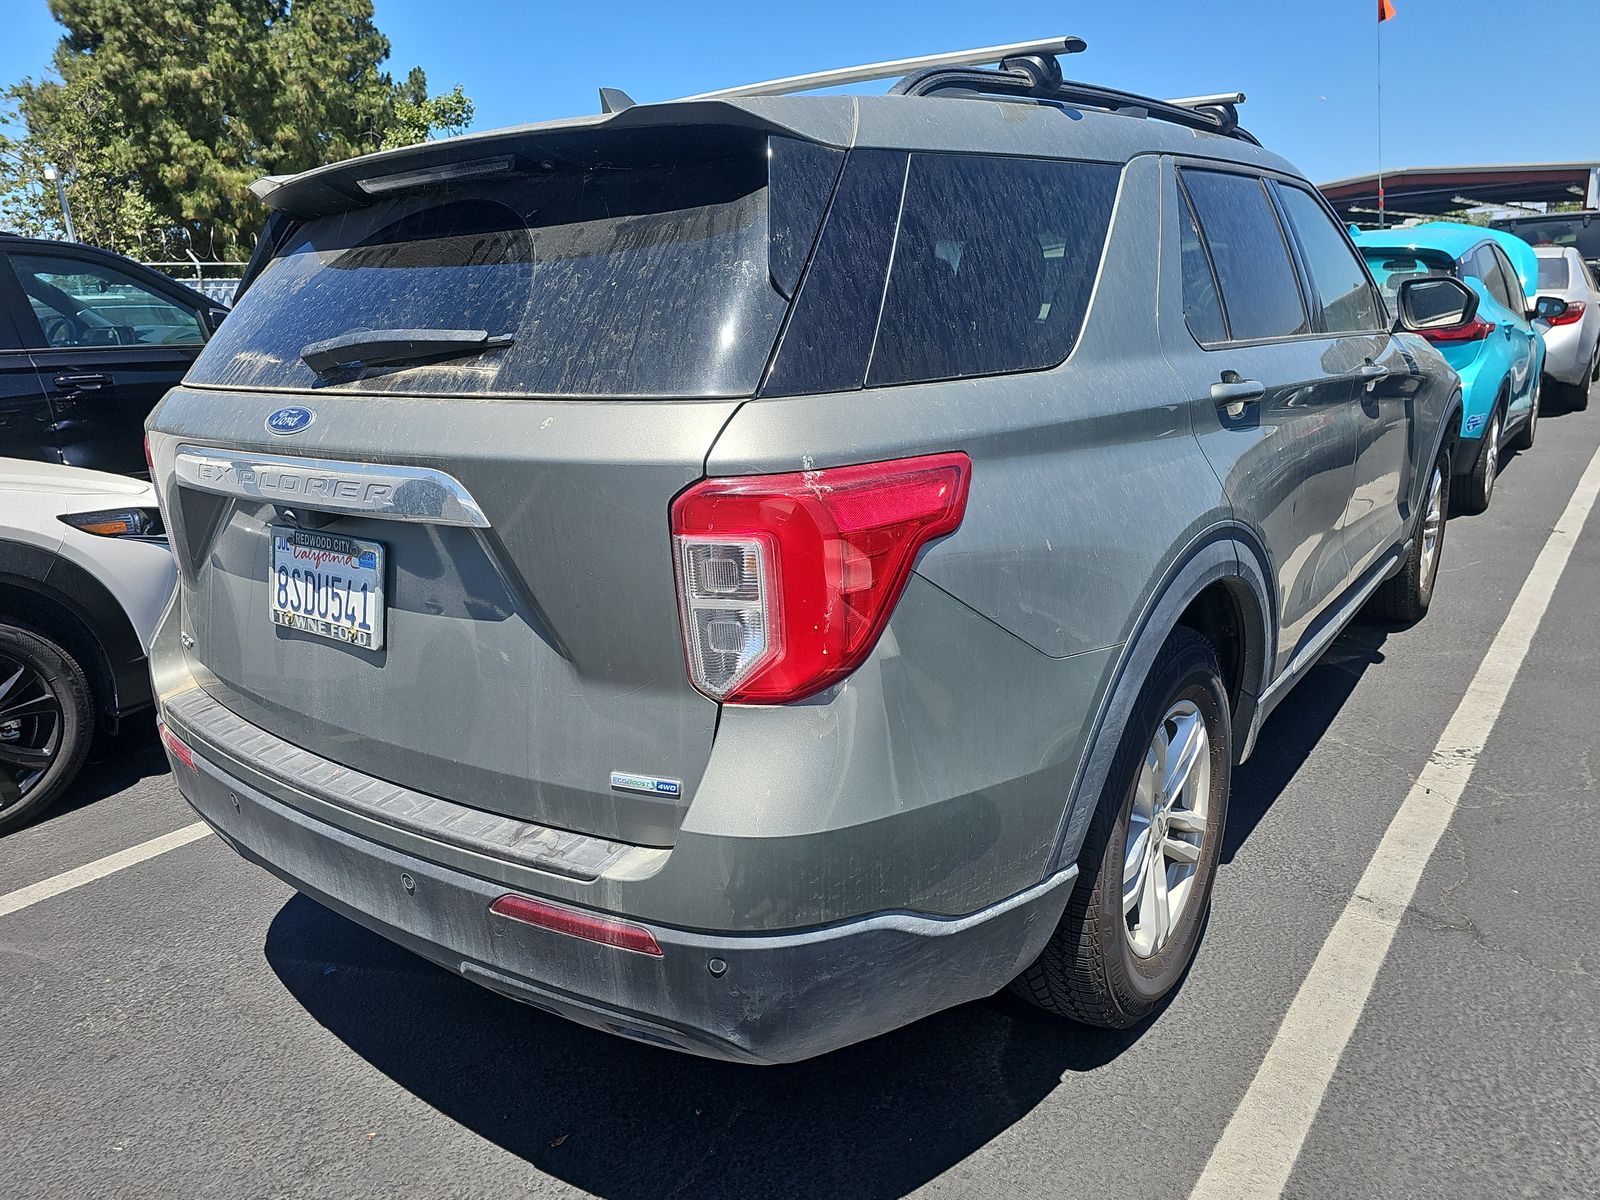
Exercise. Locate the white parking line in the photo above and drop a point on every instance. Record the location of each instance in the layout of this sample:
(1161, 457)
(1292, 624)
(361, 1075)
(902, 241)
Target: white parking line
(1258, 1149)
(101, 867)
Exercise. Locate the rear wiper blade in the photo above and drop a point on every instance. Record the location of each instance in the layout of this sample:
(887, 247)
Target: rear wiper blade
(376, 347)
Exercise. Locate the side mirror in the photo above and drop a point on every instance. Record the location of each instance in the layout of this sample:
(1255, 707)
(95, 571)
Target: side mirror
(1548, 308)
(1434, 302)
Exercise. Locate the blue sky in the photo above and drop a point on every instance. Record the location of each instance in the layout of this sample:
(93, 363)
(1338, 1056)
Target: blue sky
(1458, 74)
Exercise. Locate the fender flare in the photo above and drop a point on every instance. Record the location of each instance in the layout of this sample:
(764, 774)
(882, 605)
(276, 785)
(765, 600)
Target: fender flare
(1228, 552)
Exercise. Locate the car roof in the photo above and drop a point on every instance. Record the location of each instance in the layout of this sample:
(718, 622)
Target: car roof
(1456, 239)
(974, 125)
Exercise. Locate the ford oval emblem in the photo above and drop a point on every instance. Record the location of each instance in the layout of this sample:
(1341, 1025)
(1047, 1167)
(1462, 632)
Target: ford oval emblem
(289, 420)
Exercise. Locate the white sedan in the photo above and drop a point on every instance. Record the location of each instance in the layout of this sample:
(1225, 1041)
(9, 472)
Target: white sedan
(85, 572)
(1572, 343)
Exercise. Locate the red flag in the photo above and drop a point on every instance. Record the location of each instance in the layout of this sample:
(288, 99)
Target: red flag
(1385, 10)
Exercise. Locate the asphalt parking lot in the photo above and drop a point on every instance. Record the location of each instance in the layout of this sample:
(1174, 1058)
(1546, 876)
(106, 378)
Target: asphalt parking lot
(187, 1026)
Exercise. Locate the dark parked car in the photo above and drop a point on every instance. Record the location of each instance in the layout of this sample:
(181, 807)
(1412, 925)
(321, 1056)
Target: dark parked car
(1580, 230)
(747, 572)
(89, 342)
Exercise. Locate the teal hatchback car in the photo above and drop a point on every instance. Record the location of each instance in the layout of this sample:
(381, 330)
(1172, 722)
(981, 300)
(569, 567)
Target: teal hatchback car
(1499, 354)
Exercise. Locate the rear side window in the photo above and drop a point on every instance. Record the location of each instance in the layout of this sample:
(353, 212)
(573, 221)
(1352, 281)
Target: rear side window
(1482, 265)
(1342, 283)
(1553, 276)
(1202, 309)
(993, 265)
(1260, 293)
(655, 266)
(85, 302)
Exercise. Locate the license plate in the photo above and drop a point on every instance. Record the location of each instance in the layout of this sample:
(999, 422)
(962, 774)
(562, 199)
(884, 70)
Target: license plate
(328, 585)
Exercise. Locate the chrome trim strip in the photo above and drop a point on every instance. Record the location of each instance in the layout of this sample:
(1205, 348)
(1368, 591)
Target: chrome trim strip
(384, 490)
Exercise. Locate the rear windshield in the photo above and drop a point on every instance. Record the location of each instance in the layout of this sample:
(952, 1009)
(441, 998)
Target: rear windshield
(626, 278)
(1575, 231)
(1391, 268)
(1553, 275)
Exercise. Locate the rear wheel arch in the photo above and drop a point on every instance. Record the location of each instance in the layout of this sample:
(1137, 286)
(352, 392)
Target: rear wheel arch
(88, 624)
(1217, 586)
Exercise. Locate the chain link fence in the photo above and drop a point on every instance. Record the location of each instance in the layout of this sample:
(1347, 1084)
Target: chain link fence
(214, 279)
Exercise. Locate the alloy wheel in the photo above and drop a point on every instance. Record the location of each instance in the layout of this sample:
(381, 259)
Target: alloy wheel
(1432, 525)
(1491, 455)
(1166, 828)
(30, 728)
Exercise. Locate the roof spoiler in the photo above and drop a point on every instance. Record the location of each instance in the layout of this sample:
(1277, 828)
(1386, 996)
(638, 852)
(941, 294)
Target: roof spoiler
(522, 149)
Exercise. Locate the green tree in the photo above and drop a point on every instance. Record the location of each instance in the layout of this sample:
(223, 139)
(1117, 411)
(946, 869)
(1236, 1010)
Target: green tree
(88, 147)
(170, 108)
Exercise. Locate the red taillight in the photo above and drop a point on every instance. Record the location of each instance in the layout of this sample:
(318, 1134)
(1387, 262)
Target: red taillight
(785, 582)
(1474, 330)
(179, 748)
(576, 924)
(1572, 316)
(149, 459)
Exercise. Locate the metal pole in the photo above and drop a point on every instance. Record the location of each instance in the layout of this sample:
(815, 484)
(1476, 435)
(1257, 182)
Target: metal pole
(1382, 215)
(52, 175)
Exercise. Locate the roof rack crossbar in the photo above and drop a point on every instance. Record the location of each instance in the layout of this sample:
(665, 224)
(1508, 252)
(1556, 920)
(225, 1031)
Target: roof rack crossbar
(893, 68)
(1039, 77)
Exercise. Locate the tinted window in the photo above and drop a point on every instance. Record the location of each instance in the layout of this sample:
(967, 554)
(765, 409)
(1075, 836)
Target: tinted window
(1482, 265)
(1553, 276)
(1259, 290)
(1202, 309)
(84, 302)
(1342, 283)
(992, 267)
(1511, 281)
(647, 273)
(1391, 268)
(1581, 232)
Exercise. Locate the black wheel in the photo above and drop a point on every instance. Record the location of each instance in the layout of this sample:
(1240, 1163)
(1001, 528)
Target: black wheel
(46, 723)
(1473, 491)
(1406, 596)
(1524, 437)
(1134, 919)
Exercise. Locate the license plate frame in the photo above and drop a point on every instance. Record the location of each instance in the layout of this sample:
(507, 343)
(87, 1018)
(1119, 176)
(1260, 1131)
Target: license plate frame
(317, 590)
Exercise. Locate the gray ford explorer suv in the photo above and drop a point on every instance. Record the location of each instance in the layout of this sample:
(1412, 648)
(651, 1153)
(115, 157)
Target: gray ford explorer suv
(745, 573)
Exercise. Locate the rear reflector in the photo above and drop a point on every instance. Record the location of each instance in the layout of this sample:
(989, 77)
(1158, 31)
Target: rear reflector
(576, 924)
(176, 745)
(785, 582)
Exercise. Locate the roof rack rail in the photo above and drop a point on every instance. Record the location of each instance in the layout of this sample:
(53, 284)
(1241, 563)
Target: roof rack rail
(1025, 69)
(892, 68)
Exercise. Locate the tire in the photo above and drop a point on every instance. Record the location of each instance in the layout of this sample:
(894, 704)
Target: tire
(46, 724)
(1090, 970)
(1405, 597)
(1473, 491)
(1524, 439)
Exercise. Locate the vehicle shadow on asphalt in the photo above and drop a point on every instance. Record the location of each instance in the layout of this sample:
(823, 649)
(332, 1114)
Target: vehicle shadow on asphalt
(1297, 725)
(625, 1120)
(114, 764)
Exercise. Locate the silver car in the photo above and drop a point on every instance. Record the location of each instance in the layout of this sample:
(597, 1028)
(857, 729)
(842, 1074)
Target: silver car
(1572, 343)
(747, 572)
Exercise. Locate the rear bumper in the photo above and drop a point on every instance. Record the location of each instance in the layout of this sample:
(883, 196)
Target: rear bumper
(773, 998)
(1564, 357)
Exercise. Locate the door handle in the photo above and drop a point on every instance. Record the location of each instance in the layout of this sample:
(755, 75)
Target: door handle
(81, 383)
(1233, 393)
